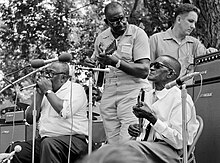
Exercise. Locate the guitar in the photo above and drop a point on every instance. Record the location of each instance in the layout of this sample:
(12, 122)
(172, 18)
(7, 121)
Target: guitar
(108, 51)
(142, 128)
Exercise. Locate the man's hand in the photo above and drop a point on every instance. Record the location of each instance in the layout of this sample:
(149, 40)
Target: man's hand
(134, 130)
(3, 156)
(144, 111)
(107, 59)
(211, 50)
(89, 62)
(44, 84)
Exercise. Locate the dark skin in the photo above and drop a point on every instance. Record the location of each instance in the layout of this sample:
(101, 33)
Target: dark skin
(160, 77)
(138, 68)
(44, 84)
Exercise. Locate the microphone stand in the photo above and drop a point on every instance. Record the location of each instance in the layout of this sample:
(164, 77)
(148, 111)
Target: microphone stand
(34, 110)
(184, 120)
(22, 78)
(91, 70)
(34, 124)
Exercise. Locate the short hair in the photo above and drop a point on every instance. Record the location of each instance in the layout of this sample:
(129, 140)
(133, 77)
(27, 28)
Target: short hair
(111, 6)
(62, 67)
(185, 8)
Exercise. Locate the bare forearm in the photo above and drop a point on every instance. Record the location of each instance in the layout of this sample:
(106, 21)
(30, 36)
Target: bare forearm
(55, 102)
(139, 69)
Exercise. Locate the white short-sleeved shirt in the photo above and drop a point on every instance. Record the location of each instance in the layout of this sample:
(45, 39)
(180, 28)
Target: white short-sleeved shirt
(73, 113)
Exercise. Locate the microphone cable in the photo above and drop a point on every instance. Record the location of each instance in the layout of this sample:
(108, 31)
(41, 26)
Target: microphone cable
(200, 90)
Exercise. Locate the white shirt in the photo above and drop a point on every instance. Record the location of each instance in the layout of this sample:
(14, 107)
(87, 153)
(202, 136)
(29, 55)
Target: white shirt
(73, 113)
(168, 109)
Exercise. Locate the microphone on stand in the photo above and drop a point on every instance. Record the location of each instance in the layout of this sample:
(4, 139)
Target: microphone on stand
(181, 80)
(65, 57)
(16, 149)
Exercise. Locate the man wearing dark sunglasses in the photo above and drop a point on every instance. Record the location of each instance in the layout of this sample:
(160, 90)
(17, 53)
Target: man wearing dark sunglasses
(124, 48)
(162, 113)
(61, 115)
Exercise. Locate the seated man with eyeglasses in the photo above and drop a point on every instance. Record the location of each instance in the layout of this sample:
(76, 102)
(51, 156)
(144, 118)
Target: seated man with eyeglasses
(161, 111)
(61, 116)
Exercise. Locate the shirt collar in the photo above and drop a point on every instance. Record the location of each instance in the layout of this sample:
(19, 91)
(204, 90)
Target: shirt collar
(107, 33)
(65, 86)
(161, 94)
(169, 36)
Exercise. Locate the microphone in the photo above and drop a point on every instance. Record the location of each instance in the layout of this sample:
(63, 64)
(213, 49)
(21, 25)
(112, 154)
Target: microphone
(181, 80)
(64, 57)
(16, 149)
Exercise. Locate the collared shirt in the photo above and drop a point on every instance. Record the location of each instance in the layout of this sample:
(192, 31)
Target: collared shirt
(131, 46)
(73, 113)
(164, 43)
(168, 110)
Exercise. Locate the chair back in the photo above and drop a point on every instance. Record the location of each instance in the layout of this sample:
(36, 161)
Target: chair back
(199, 132)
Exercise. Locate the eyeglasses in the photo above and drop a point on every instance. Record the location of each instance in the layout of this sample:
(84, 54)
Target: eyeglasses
(50, 73)
(116, 21)
(158, 65)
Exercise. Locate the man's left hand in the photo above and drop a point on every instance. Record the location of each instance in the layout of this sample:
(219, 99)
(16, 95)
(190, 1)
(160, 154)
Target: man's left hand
(106, 59)
(44, 84)
(144, 111)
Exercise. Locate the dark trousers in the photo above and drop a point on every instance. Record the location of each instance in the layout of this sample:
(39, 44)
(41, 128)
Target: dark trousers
(51, 150)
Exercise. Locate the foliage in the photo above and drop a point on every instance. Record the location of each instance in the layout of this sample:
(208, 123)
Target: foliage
(45, 28)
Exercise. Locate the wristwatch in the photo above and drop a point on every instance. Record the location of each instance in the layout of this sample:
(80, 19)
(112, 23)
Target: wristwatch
(118, 64)
(48, 91)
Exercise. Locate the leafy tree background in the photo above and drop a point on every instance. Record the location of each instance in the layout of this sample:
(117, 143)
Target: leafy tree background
(44, 29)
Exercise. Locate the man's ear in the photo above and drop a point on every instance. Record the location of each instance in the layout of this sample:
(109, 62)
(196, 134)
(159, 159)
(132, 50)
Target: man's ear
(170, 75)
(63, 78)
(178, 18)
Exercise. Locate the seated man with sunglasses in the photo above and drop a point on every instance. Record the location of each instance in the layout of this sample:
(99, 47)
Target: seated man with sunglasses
(124, 48)
(61, 116)
(162, 116)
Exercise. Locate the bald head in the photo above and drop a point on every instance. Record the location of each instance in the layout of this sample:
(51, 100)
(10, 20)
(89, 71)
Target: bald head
(111, 7)
(172, 63)
(61, 67)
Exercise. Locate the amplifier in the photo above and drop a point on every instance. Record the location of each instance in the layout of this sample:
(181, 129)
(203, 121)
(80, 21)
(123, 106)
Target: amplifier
(209, 64)
(16, 116)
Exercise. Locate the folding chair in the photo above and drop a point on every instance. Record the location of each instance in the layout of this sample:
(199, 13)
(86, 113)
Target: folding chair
(191, 148)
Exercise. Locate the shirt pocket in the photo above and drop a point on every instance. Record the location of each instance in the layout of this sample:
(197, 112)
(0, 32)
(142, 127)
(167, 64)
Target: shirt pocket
(125, 51)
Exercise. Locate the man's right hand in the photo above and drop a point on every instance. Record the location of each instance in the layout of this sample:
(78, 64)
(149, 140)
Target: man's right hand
(89, 62)
(134, 130)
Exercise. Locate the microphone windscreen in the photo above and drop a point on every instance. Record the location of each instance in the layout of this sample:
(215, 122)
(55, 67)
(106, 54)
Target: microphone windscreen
(17, 148)
(65, 57)
(37, 63)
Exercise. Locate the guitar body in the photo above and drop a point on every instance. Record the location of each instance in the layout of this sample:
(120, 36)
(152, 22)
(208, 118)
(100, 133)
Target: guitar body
(108, 51)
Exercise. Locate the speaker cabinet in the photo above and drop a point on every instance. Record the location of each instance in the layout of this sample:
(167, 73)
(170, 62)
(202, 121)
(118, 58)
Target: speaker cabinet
(10, 133)
(208, 107)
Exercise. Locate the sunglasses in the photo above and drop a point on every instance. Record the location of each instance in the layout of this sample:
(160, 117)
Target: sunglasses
(50, 73)
(116, 21)
(158, 65)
